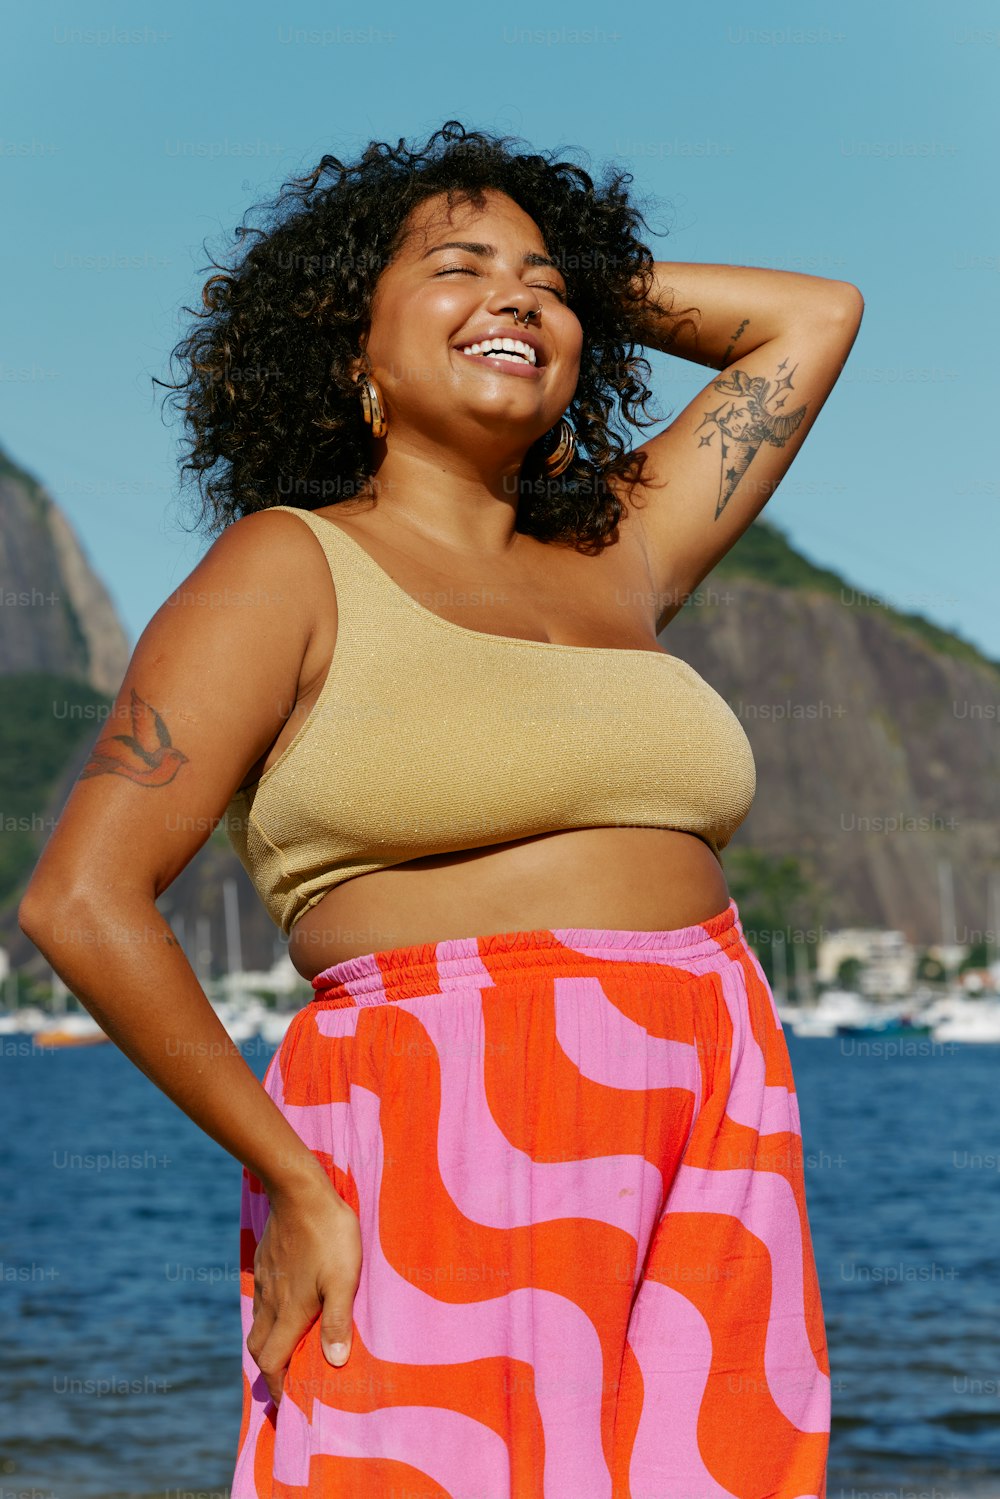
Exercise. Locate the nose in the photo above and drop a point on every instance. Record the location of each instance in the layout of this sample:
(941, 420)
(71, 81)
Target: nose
(515, 297)
(525, 315)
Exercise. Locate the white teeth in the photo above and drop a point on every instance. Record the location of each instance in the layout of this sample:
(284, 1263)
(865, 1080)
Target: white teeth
(506, 357)
(515, 346)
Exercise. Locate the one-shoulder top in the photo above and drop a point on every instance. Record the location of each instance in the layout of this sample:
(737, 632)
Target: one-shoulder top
(430, 738)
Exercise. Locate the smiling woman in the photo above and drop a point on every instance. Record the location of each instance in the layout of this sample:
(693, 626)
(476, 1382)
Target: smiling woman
(530, 1161)
(269, 393)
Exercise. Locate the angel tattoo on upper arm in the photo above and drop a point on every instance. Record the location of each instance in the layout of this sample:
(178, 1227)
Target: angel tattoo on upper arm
(744, 427)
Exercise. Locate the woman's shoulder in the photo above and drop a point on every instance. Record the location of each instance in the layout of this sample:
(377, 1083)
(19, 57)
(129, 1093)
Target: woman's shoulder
(270, 534)
(267, 561)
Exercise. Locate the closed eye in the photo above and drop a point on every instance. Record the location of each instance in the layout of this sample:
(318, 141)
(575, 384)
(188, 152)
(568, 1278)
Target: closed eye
(465, 270)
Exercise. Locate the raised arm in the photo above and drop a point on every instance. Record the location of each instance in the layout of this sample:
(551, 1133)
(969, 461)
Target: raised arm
(780, 340)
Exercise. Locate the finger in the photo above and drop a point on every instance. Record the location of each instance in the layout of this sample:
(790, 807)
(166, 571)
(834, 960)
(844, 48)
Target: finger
(273, 1374)
(259, 1274)
(337, 1326)
(276, 1354)
(260, 1330)
(337, 1293)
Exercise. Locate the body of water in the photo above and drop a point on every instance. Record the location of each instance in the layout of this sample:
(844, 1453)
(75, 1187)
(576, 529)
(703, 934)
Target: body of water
(120, 1272)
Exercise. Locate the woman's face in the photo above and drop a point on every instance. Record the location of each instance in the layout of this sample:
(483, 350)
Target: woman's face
(430, 302)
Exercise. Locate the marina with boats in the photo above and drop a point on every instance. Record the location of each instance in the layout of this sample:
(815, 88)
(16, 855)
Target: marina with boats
(887, 997)
(258, 1008)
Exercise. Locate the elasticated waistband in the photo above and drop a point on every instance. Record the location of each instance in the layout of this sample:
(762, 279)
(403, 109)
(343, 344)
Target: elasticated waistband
(427, 967)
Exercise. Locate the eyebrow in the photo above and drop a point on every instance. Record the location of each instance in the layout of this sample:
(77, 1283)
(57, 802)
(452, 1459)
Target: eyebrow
(474, 247)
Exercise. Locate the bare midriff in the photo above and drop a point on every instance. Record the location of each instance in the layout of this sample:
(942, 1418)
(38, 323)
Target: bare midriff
(638, 879)
(631, 878)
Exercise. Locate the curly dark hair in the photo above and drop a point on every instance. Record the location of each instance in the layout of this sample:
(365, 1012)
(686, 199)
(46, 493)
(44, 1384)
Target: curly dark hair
(268, 399)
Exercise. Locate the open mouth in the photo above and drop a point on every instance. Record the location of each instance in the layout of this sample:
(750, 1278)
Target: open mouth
(503, 350)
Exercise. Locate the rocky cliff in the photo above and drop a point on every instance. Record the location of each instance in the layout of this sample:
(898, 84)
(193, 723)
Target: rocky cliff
(877, 748)
(55, 613)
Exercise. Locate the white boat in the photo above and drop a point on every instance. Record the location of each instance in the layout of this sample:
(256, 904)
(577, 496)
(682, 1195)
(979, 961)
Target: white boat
(281, 978)
(834, 1007)
(238, 999)
(981, 1027)
(24, 1021)
(46, 1029)
(241, 1018)
(275, 1024)
(956, 1017)
(70, 1030)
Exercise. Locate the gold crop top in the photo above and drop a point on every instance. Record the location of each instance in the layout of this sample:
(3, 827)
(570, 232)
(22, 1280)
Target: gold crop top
(430, 738)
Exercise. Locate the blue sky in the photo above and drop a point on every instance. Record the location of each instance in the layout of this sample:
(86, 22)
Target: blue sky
(854, 142)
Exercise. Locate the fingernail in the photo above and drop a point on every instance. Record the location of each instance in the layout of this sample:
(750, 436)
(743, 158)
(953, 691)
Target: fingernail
(338, 1354)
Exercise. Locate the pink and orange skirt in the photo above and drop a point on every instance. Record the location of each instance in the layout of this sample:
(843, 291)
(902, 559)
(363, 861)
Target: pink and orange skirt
(587, 1273)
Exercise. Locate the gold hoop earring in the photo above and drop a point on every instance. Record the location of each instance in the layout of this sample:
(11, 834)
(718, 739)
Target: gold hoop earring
(559, 460)
(371, 407)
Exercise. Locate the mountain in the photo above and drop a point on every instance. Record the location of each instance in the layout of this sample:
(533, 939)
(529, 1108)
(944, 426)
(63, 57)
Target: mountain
(874, 734)
(57, 614)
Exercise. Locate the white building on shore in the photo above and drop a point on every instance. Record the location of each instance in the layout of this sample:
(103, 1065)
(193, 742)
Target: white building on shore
(888, 961)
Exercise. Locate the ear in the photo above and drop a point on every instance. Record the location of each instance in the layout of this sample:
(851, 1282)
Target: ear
(359, 364)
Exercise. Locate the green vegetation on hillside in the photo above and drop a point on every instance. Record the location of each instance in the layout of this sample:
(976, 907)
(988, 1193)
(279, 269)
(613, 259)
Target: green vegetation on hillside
(777, 902)
(764, 554)
(43, 721)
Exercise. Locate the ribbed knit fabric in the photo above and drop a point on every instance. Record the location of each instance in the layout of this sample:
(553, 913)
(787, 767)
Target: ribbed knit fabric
(430, 738)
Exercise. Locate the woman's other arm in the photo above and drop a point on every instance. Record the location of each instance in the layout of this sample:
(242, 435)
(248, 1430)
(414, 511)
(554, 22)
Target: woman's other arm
(780, 340)
(716, 314)
(214, 675)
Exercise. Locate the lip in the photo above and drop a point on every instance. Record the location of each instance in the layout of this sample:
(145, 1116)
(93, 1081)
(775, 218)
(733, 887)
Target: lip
(526, 335)
(500, 366)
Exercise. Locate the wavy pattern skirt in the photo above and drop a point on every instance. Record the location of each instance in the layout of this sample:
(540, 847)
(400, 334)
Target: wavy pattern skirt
(576, 1159)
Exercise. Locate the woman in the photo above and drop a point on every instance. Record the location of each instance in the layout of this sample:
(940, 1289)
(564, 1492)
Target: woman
(523, 1199)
